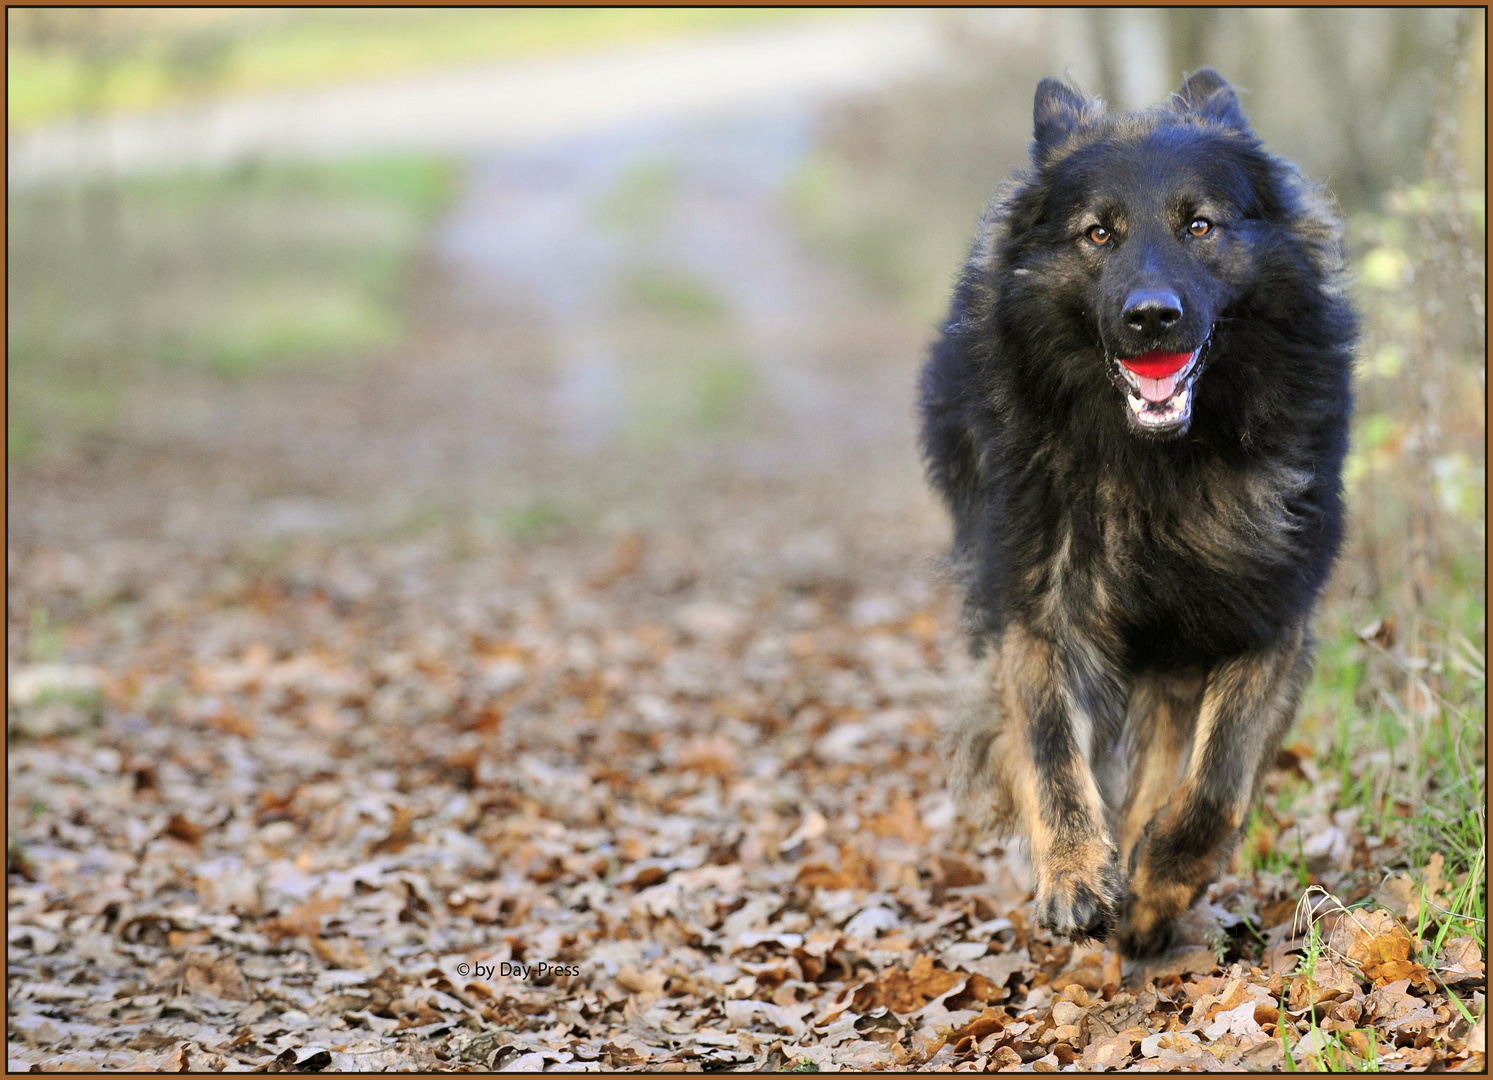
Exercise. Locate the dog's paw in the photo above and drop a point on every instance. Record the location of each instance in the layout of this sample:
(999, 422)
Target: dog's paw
(1145, 929)
(1156, 899)
(1080, 900)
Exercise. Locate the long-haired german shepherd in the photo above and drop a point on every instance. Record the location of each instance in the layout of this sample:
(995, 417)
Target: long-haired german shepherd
(1137, 413)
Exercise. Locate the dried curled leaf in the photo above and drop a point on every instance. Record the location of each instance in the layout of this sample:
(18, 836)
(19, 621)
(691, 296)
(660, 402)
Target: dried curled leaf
(1460, 960)
(1328, 981)
(1378, 945)
(906, 991)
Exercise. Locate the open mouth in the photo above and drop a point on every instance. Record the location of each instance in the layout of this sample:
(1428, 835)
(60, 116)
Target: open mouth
(1158, 387)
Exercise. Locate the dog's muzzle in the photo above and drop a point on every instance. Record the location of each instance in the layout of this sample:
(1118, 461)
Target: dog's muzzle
(1158, 388)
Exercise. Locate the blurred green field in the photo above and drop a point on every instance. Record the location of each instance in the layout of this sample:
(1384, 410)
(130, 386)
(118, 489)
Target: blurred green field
(230, 274)
(218, 275)
(64, 61)
(688, 374)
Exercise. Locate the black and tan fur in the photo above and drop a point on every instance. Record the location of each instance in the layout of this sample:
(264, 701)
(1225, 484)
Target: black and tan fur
(1140, 599)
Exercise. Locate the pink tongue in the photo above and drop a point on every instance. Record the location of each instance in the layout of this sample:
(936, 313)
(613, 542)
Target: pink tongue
(1155, 390)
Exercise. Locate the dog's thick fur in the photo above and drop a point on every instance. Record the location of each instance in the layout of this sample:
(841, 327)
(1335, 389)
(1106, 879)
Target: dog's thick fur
(1141, 597)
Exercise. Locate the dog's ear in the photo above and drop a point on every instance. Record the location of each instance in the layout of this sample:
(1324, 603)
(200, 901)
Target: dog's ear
(1205, 93)
(1058, 111)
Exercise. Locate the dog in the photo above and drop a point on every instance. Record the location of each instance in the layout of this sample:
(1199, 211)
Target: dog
(1137, 413)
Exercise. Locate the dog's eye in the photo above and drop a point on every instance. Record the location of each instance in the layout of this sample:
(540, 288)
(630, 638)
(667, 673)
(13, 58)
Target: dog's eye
(1098, 234)
(1200, 227)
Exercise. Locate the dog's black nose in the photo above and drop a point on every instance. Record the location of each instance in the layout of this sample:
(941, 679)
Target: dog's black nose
(1150, 311)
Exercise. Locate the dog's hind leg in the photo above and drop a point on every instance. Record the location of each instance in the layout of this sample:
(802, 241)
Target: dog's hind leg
(1054, 696)
(1248, 703)
(1159, 723)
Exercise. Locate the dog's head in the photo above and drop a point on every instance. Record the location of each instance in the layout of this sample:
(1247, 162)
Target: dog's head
(1136, 233)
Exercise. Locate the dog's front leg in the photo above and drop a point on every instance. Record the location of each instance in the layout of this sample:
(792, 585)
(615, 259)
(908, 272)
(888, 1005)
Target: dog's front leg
(1052, 691)
(1247, 705)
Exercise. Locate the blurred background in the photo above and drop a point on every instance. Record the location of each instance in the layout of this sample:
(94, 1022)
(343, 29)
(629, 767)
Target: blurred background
(555, 277)
(203, 200)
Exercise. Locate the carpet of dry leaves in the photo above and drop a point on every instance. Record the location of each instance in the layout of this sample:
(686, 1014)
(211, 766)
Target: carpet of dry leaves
(671, 778)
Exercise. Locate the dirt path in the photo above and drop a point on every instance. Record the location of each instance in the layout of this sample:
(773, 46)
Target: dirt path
(510, 105)
(556, 352)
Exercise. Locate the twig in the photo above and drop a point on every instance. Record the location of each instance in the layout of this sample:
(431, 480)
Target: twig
(1453, 914)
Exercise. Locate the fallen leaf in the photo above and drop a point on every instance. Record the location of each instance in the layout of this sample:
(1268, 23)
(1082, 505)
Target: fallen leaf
(232, 722)
(905, 992)
(1434, 884)
(1239, 1020)
(639, 982)
(716, 756)
(1476, 1039)
(1298, 758)
(1460, 960)
(400, 833)
(1264, 1057)
(989, 1020)
(1399, 894)
(867, 924)
(1377, 945)
(303, 920)
(901, 822)
(957, 873)
(1184, 1042)
(182, 829)
(201, 973)
(1328, 981)
(1110, 1053)
(813, 826)
(1391, 1001)
(1381, 632)
(341, 952)
(1004, 1059)
(1280, 957)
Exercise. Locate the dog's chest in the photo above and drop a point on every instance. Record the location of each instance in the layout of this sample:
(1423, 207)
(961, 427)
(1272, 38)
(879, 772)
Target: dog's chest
(1157, 552)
